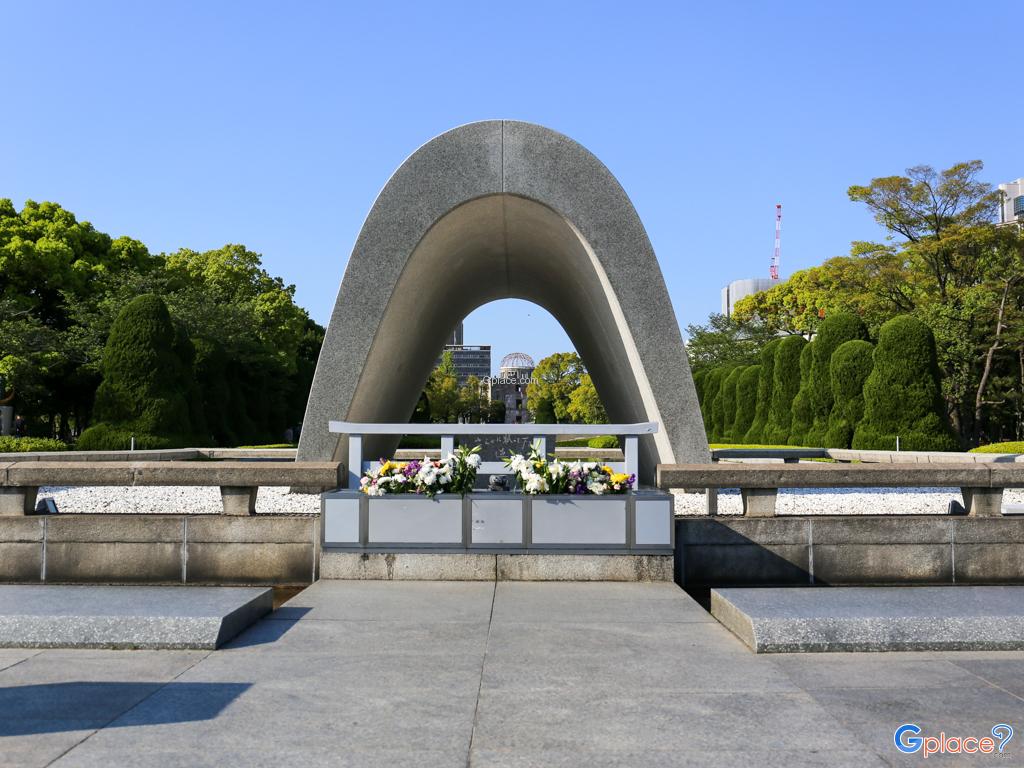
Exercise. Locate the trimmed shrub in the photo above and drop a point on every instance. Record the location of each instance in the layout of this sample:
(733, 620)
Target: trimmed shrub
(145, 380)
(800, 424)
(711, 383)
(785, 385)
(30, 445)
(603, 441)
(834, 330)
(765, 383)
(698, 383)
(902, 396)
(729, 404)
(718, 408)
(746, 401)
(1014, 446)
(105, 437)
(849, 368)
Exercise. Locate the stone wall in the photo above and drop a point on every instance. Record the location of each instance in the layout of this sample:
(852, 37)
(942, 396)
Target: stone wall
(849, 550)
(159, 549)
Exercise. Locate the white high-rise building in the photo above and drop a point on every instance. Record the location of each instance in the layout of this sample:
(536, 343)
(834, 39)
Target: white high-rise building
(1012, 208)
(739, 289)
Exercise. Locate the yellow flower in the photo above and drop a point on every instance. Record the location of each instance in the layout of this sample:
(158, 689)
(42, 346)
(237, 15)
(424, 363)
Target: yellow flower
(607, 470)
(619, 479)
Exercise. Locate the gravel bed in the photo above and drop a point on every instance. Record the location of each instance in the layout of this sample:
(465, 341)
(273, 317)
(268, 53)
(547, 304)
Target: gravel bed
(843, 501)
(176, 500)
(201, 500)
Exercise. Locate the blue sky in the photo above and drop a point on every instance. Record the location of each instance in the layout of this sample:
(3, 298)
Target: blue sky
(276, 124)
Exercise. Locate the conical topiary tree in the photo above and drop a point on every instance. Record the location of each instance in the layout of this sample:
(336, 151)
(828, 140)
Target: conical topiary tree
(709, 391)
(746, 401)
(698, 383)
(849, 369)
(729, 404)
(800, 424)
(785, 385)
(764, 393)
(718, 422)
(902, 396)
(145, 382)
(834, 330)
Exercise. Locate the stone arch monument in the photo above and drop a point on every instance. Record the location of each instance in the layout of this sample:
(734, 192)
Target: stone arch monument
(493, 210)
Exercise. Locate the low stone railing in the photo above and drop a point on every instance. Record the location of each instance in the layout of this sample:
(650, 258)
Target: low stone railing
(165, 454)
(357, 431)
(847, 455)
(239, 481)
(982, 484)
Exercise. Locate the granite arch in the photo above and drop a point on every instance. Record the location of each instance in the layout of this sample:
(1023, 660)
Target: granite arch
(492, 210)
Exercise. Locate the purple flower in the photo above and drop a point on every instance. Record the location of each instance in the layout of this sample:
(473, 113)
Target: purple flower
(411, 468)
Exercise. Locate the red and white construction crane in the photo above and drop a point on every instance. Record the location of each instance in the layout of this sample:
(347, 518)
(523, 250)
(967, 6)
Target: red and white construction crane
(773, 270)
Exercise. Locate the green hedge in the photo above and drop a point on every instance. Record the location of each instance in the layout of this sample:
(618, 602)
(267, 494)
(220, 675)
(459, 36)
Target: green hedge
(800, 424)
(1011, 447)
(710, 384)
(698, 383)
(729, 401)
(104, 437)
(30, 445)
(902, 395)
(849, 368)
(834, 330)
(746, 401)
(765, 383)
(785, 385)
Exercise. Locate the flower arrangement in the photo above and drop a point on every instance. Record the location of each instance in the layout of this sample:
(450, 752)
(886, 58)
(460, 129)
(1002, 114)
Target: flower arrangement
(536, 475)
(454, 474)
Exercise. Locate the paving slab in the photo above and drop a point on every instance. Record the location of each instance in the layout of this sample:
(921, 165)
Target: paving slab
(437, 674)
(830, 619)
(74, 616)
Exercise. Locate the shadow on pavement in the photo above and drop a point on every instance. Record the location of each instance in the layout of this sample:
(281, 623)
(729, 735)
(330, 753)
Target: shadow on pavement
(57, 707)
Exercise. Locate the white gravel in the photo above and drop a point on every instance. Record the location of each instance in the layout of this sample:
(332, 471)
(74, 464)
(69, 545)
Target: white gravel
(177, 500)
(843, 501)
(270, 500)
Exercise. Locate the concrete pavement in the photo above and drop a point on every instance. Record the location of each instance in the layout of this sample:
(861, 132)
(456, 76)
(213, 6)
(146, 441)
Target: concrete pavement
(483, 674)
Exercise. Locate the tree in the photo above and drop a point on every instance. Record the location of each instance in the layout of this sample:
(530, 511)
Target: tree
(726, 340)
(800, 424)
(473, 404)
(902, 398)
(145, 380)
(729, 385)
(63, 285)
(785, 385)
(585, 406)
(925, 205)
(442, 391)
(746, 401)
(833, 331)
(719, 407)
(711, 383)
(550, 391)
(765, 384)
(849, 368)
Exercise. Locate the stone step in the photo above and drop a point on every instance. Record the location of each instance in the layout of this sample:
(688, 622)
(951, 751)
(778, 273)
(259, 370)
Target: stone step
(73, 616)
(479, 566)
(824, 619)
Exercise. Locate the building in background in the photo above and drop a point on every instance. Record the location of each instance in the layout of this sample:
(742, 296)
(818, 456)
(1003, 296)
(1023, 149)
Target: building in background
(740, 289)
(469, 360)
(509, 386)
(1011, 210)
